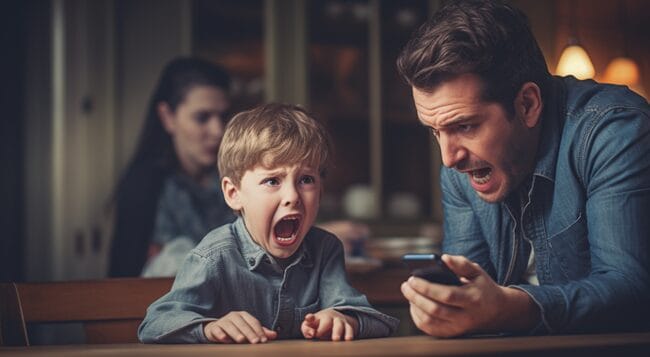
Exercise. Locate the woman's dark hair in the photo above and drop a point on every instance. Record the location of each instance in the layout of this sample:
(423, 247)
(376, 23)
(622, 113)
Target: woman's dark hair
(490, 39)
(177, 78)
(137, 193)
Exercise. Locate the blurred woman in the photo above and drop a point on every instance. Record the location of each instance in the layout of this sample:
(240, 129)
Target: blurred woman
(170, 190)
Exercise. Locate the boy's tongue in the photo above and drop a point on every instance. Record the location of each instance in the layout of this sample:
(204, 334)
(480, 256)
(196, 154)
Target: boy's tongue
(285, 228)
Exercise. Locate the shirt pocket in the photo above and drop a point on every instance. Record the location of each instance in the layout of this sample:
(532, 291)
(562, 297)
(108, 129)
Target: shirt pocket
(570, 250)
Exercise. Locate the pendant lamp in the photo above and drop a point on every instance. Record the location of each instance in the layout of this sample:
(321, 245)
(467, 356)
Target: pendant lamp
(574, 60)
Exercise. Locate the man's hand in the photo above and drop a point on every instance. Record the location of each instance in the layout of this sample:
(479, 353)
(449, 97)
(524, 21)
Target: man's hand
(238, 327)
(479, 305)
(329, 324)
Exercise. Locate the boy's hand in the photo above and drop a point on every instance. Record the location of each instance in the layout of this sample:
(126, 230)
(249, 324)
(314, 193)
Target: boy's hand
(237, 327)
(330, 324)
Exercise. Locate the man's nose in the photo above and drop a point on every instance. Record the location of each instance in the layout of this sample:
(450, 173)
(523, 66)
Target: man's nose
(451, 151)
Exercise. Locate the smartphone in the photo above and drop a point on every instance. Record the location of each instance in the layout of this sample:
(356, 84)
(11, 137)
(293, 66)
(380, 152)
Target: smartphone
(431, 268)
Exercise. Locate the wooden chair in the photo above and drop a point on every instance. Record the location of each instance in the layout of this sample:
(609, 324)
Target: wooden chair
(110, 310)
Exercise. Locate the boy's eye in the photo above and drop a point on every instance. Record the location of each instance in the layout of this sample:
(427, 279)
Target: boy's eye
(307, 179)
(271, 181)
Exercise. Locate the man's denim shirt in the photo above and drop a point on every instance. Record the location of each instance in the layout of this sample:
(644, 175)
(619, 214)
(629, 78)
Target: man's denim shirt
(228, 272)
(585, 210)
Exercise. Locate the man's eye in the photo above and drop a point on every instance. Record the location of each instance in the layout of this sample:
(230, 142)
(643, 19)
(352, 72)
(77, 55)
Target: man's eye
(465, 128)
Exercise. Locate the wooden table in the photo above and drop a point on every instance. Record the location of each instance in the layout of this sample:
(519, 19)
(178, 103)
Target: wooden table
(630, 344)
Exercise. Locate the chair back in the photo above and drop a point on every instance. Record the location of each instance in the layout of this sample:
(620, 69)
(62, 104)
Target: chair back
(110, 310)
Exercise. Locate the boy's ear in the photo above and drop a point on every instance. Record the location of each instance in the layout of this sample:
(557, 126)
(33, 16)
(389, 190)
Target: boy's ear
(231, 194)
(166, 117)
(528, 104)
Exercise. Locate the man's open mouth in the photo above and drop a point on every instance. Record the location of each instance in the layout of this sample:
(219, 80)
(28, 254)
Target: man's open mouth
(481, 176)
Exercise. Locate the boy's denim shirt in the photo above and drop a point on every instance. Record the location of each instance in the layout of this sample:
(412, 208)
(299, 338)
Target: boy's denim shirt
(585, 210)
(228, 272)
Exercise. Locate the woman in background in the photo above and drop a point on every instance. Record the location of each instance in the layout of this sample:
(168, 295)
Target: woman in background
(169, 196)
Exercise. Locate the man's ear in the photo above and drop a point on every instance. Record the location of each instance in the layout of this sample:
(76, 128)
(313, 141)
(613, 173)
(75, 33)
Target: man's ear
(231, 194)
(528, 104)
(166, 116)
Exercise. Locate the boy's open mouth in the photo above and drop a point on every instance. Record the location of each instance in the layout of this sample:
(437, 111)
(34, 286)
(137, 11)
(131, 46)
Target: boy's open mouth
(286, 229)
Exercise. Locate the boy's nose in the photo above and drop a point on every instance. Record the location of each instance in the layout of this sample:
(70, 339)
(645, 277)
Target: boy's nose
(290, 196)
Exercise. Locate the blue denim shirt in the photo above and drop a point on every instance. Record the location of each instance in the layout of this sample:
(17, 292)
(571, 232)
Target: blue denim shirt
(227, 272)
(187, 209)
(585, 209)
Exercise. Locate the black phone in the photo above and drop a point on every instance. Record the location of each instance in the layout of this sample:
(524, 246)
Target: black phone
(431, 268)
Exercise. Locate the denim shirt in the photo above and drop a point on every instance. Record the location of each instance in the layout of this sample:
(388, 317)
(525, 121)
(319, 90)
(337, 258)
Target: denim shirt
(585, 211)
(228, 271)
(187, 209)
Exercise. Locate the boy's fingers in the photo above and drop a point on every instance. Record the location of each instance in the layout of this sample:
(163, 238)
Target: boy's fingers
(338, 329)
(324, 327)
(307, 331)
(233, 331)
(242, 323)
(255, 326)
(216, 334)
(270, 334)
(349, 332)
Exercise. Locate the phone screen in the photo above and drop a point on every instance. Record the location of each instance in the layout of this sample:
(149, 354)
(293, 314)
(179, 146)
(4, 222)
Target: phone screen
(431, 268)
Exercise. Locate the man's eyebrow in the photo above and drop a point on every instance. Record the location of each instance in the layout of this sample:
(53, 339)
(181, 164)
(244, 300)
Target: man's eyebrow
(452, 121)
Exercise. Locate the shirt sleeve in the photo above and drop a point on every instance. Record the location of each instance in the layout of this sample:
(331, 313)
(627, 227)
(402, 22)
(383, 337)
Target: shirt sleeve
(178, 316)
(613, 163)
(336, 292)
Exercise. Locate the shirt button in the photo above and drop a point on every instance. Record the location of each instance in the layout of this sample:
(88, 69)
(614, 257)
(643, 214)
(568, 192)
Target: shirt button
(251, 261)
(278, 329)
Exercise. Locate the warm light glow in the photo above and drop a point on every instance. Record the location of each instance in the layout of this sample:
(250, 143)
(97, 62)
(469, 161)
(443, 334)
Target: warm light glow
(575, 61)
(622, 70)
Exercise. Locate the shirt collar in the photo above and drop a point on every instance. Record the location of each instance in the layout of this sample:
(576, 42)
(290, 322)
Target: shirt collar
(550, 135)
(254, 254)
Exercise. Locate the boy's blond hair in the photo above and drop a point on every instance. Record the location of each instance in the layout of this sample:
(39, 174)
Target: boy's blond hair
(272, 135)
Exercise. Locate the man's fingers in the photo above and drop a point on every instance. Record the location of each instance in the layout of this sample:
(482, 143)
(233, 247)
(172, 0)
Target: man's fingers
(462, 266)
(428, 324)
(422, 291)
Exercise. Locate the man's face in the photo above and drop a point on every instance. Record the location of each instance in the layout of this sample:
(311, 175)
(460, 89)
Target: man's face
(279, 205)
(477, 137)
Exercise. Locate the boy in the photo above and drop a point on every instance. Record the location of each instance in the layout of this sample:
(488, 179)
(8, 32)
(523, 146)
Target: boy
(270, 274)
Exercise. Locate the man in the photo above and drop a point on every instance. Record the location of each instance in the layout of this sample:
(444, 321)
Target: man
(546, 184)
